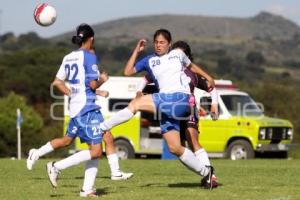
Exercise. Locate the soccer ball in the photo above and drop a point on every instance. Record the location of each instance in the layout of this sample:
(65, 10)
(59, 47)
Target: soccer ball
(44, 14)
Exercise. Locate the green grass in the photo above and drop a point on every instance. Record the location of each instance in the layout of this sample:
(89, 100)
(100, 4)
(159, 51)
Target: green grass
(259, 179)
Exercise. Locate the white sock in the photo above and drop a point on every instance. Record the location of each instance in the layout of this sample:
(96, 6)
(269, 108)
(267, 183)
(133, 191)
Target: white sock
(74, 159)
(189, 159)
(90, 174)
(43, 150)
(118, 118)
(202, 157)
(113, 162)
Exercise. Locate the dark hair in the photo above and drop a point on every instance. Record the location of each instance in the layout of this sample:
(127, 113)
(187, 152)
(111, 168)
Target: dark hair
(185, 48)
(83, 32)
(164, 32)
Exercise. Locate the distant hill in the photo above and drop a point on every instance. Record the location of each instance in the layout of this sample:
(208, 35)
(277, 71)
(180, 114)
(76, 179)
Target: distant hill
(195, 28)
(277, 38)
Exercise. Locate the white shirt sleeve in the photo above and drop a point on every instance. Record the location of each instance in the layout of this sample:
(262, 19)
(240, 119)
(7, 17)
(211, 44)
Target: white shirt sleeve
(61, 74)
(142, 84)
(214, 96)
(184, 59)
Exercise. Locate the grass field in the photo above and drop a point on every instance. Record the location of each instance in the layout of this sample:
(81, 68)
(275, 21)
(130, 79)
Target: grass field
(260, 179)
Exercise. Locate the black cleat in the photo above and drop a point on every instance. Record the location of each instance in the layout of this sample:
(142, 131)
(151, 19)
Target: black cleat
(209, 181)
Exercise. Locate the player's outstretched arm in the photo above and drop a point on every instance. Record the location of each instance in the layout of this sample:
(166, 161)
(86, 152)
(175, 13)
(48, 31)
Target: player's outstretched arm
(196, 69)
(129, 68)
(141, 85)
(214, 104)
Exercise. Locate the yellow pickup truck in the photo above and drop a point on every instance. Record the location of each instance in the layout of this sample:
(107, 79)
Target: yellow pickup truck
(241, 130)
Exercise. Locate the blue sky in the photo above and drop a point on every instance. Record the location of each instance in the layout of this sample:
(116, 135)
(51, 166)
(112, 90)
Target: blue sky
(17, 15)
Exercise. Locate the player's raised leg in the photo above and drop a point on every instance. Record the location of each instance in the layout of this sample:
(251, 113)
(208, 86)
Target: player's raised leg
(143, 103)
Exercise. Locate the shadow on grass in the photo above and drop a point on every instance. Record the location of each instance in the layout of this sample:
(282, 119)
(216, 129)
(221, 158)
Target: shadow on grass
(99, 191)
(190, 185)
(153, 185)
(69, 186)
(184, 185)
(56, 195)
(103, 177)
(39, 178)
(173, 185)
(46, 178)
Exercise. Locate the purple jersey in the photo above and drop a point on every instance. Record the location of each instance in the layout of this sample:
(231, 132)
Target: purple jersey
(197, 81)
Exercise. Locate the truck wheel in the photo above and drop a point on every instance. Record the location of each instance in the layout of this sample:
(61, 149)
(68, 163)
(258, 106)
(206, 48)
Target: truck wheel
(239, 149)
(124, 149)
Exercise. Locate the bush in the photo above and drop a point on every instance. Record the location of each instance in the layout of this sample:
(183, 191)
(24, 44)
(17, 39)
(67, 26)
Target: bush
(30, 128)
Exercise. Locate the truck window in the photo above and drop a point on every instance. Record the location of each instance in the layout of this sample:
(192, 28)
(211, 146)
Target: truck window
(205, 102)
(117, 104)
(241, 105)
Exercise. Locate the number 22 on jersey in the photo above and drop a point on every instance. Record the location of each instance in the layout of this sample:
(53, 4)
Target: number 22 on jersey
(72, 72)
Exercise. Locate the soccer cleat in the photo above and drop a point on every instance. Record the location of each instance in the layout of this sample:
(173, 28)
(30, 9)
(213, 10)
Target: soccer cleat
(210, 180)
(206, 185)
(32, 158)
(52, 173)
(122, 176)
(88, 193)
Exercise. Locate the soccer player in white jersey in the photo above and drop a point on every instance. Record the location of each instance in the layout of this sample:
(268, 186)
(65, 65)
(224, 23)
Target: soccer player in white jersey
(171, 103)
(79, 68)
(189, 128)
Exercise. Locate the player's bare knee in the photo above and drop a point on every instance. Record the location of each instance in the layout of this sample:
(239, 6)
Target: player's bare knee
(108, 138)
(96, 153)
(67, 141)
(133, 106)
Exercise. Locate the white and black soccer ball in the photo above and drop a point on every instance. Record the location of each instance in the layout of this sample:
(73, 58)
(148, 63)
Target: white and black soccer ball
(44, 14)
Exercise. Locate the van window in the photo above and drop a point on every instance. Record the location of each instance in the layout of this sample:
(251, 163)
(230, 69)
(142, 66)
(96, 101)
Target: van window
(241, 105)
(117, 104)
(205, 102)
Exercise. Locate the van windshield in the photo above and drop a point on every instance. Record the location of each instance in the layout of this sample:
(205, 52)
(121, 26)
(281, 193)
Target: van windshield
(241, 105)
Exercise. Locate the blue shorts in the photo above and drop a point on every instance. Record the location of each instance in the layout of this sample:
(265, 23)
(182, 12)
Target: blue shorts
(171, 108)
(86, 127)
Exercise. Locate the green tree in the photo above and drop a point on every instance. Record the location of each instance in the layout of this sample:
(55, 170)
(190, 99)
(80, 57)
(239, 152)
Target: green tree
(255, 58)
(31, 126)
(224, 65)
(121, 53)
(30, 72)
(31, 39)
